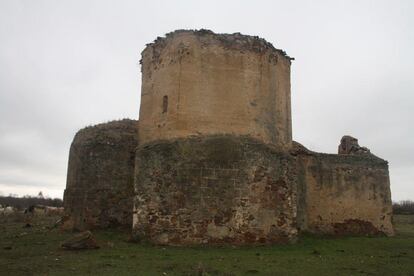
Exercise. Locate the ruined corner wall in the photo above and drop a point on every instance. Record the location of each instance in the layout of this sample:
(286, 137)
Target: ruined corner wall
(216, 189)
(343, 194)
(202, 83)
(99, 186)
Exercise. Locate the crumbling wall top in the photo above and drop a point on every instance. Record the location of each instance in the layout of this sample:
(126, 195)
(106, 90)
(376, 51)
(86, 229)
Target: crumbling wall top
(362, 157)
(236, 41)
(110, 129)
(349, 145)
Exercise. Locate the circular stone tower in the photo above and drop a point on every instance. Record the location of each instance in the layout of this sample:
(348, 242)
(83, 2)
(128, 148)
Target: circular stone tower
(99, 185)
(202, 83)
(215, 126)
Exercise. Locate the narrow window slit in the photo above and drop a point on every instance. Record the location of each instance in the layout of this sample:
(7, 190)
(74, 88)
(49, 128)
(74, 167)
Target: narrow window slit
(164, 104)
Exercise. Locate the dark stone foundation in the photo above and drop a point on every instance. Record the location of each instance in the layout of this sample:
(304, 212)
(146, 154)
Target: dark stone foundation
(219, 189)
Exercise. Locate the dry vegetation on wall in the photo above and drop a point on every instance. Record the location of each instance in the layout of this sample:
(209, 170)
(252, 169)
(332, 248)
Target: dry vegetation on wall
(27, 200)
(404, 207)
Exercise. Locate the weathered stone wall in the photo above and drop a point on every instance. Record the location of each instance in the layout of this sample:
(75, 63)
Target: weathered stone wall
(343, 194)
(99, 187)
(202, 83)
(215, 162)
(219, 189)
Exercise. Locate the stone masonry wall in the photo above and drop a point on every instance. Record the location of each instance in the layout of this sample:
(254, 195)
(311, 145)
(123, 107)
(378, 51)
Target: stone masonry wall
(202, 83)
(99, 187)
(343, 194)
(216, 162)
(218, 189)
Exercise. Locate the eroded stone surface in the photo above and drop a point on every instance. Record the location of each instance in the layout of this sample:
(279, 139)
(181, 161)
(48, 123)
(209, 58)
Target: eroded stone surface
(343, 194)
(216, 162)
(202, 83)
(99, 187)
(220, 189)
(349, 145)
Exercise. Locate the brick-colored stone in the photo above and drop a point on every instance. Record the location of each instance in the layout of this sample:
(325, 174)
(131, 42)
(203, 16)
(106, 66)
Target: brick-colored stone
(215, 162)
(340, 192)
(215, 84)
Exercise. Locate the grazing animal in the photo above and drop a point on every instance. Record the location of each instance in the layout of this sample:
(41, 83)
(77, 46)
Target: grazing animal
(44, 210)
(7, 210)
(54, 211)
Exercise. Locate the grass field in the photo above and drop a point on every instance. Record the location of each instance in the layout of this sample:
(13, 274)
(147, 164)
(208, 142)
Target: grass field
(36, 251)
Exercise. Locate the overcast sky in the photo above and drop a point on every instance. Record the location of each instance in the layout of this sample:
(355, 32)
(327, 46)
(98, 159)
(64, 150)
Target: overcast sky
(68, 64)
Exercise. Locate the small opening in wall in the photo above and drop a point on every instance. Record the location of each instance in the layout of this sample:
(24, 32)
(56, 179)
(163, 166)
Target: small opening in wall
(164, 104)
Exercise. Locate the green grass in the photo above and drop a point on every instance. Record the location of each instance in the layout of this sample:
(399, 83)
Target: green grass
(36, 251)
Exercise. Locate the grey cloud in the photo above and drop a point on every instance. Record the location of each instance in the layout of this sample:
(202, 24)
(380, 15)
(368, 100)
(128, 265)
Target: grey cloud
(67, 64)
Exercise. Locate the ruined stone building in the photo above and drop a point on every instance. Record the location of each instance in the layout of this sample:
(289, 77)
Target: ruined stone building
(212, 160)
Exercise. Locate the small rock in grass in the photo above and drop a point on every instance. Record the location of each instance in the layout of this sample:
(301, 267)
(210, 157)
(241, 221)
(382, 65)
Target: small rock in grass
(84, 240)
(316, 252)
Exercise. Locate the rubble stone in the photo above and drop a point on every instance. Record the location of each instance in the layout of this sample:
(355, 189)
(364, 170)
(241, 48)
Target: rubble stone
(99, 185)
(84, 240)
(216, 189)
(349, 145)
(214, 161)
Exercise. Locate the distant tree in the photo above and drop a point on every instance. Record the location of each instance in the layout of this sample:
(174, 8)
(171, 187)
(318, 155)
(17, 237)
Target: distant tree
(405, 207)
(27, 201)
